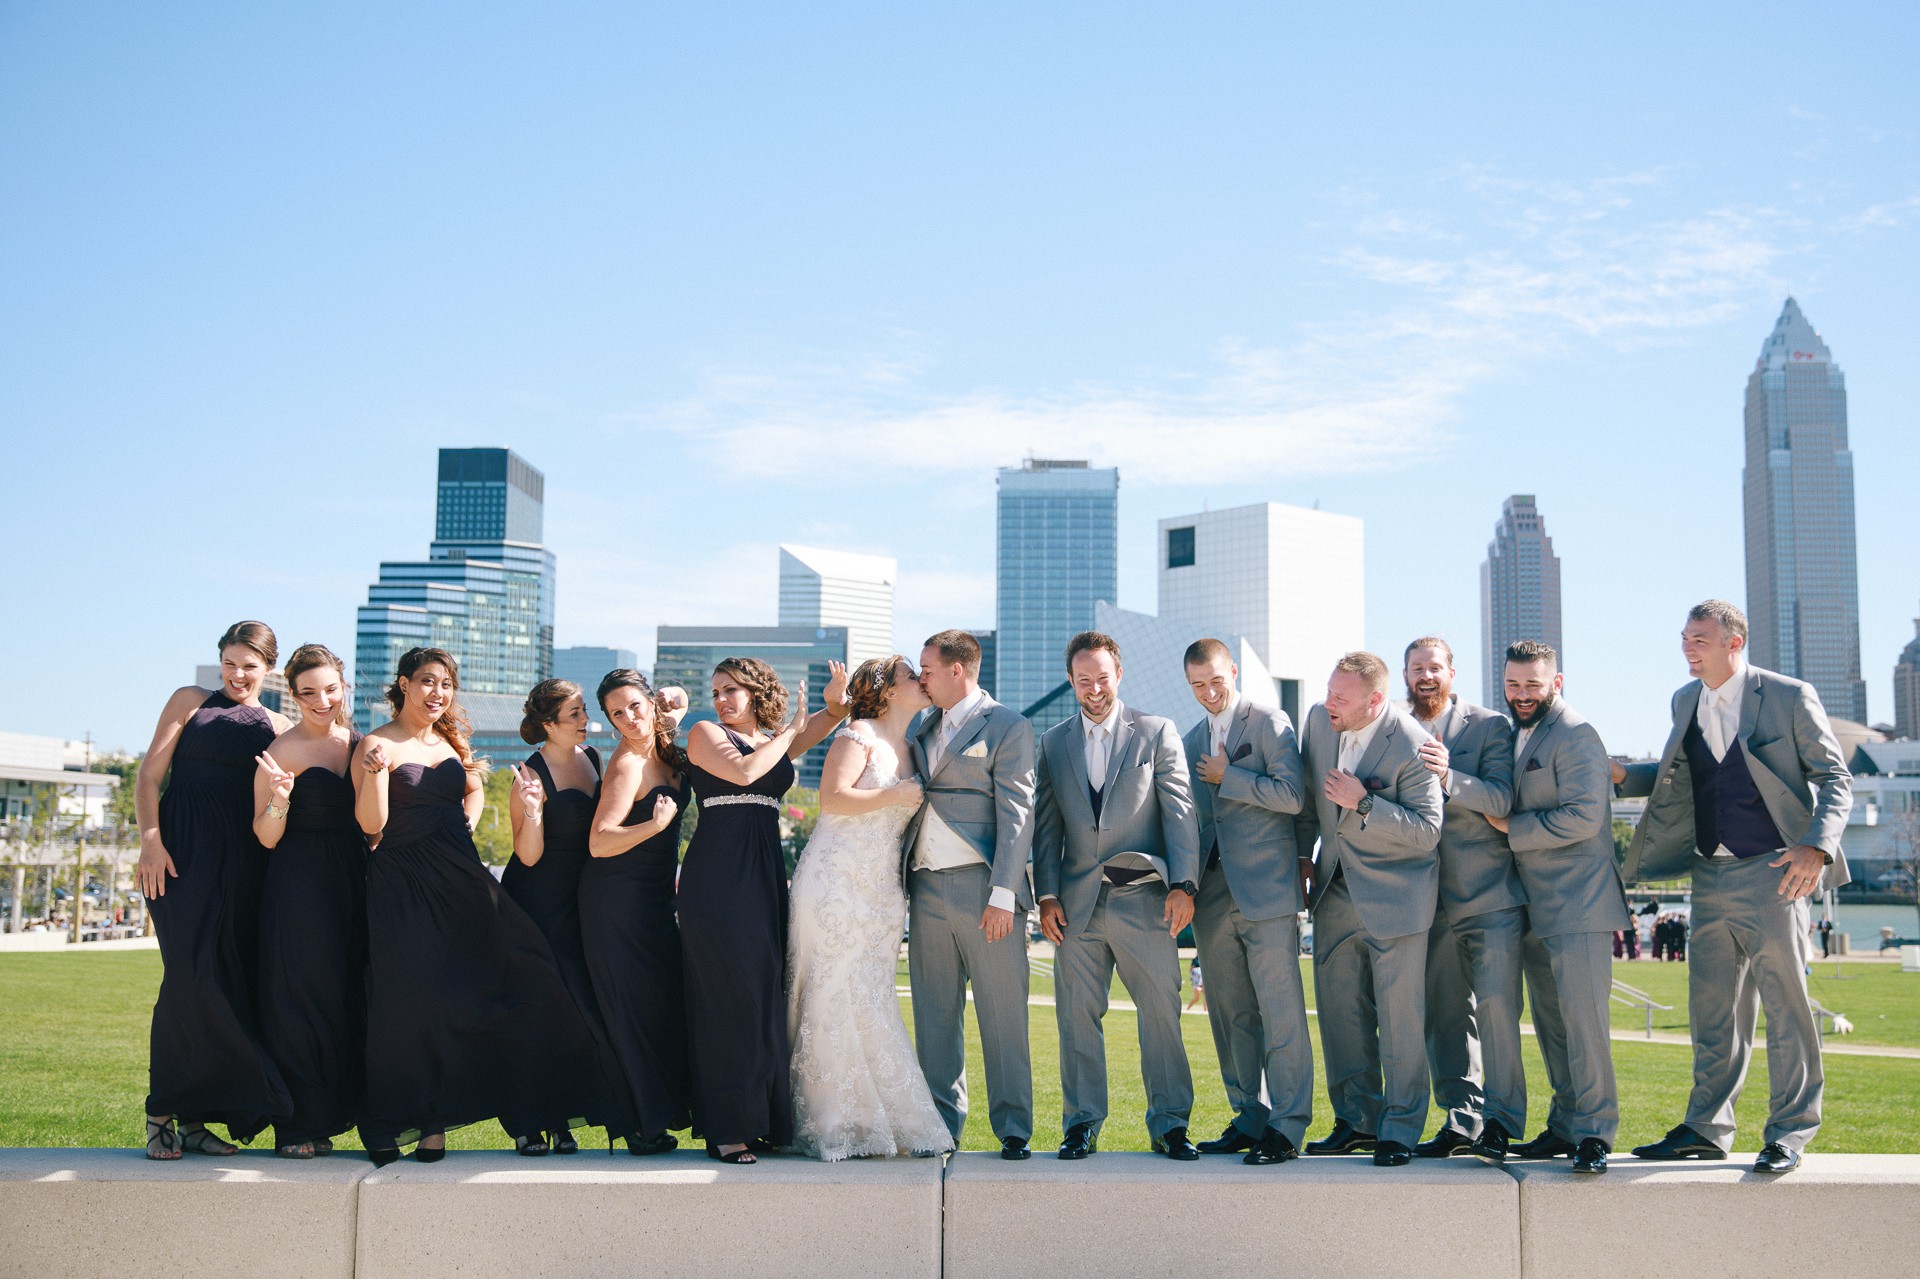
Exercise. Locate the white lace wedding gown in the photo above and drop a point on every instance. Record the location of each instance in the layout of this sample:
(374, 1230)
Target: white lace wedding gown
(857, 1086)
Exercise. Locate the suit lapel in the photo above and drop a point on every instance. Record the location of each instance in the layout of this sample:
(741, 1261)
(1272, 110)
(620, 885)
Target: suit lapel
(1539, 735)
(1378, 746)
(968, 734)
(1749, 709)
(1074, 744)
(918, 743)
(1122, 735)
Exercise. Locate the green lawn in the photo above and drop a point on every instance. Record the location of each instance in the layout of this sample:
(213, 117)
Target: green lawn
(73, 1063)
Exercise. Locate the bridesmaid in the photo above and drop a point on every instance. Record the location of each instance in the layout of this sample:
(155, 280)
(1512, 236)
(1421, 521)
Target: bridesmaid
(626, 909)
(467, 1016)
(313, 927)
(200, 869)
(555, 795)
(733, 906)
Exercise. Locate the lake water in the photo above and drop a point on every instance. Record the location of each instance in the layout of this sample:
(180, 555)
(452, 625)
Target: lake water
(1863, 922)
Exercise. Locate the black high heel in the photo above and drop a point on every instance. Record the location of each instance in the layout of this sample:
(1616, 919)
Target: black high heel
(381, 1158)
(659, 1144)
(431, 1154)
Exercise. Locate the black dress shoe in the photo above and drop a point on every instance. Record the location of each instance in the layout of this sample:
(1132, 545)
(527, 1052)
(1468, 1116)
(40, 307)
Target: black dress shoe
(1774, 1157)
(1230, 1142)
(1391, 1154)
(1078, 1143)
(1014, 1148)
(1548, 1145)
(1591, 1156)
(1345, 1139)
(1681, 1142)
(1490, 1147)
(1448, 1141)
(1272, 1148)
(1176, 1146)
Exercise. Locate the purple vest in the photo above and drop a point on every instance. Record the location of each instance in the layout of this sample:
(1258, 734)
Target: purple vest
(1727, 807)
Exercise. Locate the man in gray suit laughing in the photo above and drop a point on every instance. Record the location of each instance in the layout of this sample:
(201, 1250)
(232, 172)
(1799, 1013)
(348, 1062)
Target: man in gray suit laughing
(1115, 857)
(1247, 788)
(1561, 834)
(1376, 811)
(964, 861)
(1751, 764)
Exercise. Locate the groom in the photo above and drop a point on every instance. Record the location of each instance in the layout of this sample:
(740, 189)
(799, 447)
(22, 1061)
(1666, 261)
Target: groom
(964, 861)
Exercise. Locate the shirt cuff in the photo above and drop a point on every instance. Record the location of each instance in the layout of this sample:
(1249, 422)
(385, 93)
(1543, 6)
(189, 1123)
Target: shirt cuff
(1045, 897)
(1001, 899)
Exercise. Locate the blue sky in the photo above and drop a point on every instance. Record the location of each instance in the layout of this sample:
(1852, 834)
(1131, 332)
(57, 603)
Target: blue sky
(740, 274)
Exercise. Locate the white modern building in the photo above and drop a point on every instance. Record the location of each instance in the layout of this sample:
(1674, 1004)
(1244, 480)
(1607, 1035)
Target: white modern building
(1153, 676)
(35, 771)
(820, 588)
(1289, 581)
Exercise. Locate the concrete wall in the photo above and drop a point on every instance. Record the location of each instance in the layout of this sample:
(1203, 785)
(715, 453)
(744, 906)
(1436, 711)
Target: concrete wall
(95, 1212)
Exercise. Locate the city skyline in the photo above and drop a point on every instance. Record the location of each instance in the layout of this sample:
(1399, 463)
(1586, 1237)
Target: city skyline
(682, 263)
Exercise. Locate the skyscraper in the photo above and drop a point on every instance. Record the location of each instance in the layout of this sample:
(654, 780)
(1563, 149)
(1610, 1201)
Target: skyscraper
(1906, 688)
(1291, 581)
(1803, 577)
(484, 593)
(1054, 559)
(840, 588)
(1519, 592)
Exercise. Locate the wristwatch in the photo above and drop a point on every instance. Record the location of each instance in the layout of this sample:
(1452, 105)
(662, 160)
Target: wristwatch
(1186, 886)
(1365, 805)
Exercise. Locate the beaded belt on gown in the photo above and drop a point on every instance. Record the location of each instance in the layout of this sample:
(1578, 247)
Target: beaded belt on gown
(718, 800)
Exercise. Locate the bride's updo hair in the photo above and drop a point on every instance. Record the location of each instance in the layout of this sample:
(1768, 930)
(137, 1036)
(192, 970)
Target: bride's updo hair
(870, 687)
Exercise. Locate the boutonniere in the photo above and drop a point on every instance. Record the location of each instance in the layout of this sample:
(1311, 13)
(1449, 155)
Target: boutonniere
(976, 751)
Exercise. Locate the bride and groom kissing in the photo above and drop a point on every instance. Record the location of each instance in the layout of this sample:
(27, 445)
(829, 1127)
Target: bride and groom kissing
(929, 824)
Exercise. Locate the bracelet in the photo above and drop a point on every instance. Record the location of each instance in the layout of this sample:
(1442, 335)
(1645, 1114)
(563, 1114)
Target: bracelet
(279, 811)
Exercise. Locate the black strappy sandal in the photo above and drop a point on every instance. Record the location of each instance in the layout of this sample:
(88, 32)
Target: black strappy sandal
(534, 1145)
(163, 1139)
(201, 1141)
(322, 1148)
(656, 1145)
(742, 1156)
(563, 1142)
(296, 1150)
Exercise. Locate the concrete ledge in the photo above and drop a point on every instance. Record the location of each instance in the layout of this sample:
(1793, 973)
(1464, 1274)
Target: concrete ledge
(1842, 1214)
(116, 1212)
(1139, 1214)
(679, 1214)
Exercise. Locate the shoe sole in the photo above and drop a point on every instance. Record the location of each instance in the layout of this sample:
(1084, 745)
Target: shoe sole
(1680, 1159)
(1492, 1161)
(1016, 1154)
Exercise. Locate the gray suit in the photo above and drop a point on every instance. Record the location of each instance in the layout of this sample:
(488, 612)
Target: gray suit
(1561, 833)
(1145, 807)
(987, 799)
(1375, 883)
(1748, 943)
(1473, 952)
(1247, 919)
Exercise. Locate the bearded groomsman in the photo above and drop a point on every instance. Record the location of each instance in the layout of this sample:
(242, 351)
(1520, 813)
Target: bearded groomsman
(1561, 834)
(1115, 857)
(1247, 787)
(1473, 951)
(1376, 811)
(1750, 797)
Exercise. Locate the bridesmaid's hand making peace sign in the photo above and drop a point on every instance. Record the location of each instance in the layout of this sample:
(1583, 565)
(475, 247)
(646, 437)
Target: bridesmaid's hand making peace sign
(278, 778)
(532, 795)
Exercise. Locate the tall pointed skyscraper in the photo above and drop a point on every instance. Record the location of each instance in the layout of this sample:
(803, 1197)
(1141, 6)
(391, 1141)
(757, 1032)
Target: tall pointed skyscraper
(1803, 576)
(1519, 592)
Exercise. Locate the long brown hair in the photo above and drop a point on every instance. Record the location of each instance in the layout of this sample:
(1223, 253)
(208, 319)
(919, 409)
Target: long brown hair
(665, 748)
(452, 725)
(310, 657)
(768, 694)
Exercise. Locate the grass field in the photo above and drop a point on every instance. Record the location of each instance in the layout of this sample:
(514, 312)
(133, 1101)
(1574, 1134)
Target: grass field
(74, 1034)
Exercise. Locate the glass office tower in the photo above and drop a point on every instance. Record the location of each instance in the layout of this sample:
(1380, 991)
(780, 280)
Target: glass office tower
(1055, 558)
(484, 593)
(1803, 575)
(1519, 593)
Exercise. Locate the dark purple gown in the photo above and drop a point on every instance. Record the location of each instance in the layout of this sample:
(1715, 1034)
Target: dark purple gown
(313, 958)
(633, 953)
(467, 1016)
(206, 1062)
(733, 938)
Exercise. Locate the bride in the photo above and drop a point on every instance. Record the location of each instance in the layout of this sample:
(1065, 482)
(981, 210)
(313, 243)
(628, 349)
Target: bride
(857, 1086)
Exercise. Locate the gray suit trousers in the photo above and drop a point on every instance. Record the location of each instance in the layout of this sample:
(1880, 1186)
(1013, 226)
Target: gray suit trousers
(1371, 993)
(1473, 1019)
(1570, 986)
(946, 950)
(1125, 931)
(1453, 1039)
(1257, 1007)
(1748, 951)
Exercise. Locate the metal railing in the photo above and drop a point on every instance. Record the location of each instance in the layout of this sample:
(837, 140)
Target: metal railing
(1634, 997)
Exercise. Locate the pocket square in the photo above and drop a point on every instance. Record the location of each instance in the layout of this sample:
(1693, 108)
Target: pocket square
(1533, 766)
(976, 751)
(1246, 749)
(1375, 783)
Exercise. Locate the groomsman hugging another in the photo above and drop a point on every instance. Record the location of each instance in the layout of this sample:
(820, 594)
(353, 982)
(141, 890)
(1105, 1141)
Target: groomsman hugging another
(1247, 788)
(1115, 857)
(1376, 811)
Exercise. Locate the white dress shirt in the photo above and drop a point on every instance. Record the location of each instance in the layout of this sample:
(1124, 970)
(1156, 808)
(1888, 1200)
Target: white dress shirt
(1521, 739)
(1719, 718)
(1438, 727)
(1221, 726)
(1097, 743)
(1353, 745)
(939, 846)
